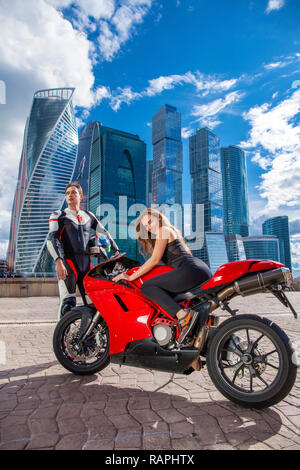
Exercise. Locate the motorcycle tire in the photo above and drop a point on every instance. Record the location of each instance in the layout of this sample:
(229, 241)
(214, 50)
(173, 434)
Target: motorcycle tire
(252, 361)
(70, 363)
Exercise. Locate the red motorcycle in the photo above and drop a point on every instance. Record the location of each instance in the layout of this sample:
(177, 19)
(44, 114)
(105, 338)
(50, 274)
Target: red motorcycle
(250, 359)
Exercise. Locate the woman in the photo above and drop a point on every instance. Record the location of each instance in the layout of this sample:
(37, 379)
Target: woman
(163, 242)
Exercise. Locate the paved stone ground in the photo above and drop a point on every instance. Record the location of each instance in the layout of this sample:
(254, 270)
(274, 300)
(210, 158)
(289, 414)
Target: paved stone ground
(42, 406)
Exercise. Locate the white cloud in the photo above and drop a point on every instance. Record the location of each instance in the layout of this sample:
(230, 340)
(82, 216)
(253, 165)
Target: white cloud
(274, 140)
(121, 27)
(274, 5)
(186, 132)
(206, 113)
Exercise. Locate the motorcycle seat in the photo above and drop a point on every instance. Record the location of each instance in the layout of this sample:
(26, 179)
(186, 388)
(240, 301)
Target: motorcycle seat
(194, 292)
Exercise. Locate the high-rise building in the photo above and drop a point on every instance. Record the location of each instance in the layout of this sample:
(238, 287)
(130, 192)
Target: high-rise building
(235, 248)
(81, 171)
(235, 191)
(3, 267)
(216, 252)
(167, 158)
(117, 177)
(262, 247)
(279, 226)
(149, 182)
(206, 189)
(46, 167)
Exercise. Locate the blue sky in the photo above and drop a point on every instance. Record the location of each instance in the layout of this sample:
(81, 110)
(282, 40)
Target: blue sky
(232, 65)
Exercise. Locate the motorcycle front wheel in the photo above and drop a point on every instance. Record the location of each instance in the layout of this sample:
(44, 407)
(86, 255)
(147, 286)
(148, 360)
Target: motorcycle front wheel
(250, 361)
(82, 358)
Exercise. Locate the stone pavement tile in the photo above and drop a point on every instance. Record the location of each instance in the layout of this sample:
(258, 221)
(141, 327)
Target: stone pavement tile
(160, 403)
(104, 444)
(293, 447)
(295, 420)
(116, 407)
(139, 403)
(8, 405)
(207, 430)
(74, 441)
(237, 438)
(90, 410)
(156, 436)
(191, 410)
(44, 440)
(185, 443)
(129, 438)
(71, 426)
(14, 433)
(69, 410)
(145, 416)
(277, 442)
(170, 415)
(123, 421)
(99, 427)
(14, 445)
(181, 429)
(48, 411)
(230, 423)
(38, 426)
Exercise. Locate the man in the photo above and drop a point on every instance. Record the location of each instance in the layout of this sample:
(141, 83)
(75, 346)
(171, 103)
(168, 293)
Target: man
(69, 233)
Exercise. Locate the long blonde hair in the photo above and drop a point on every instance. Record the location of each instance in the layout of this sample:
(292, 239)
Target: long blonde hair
(146, 239)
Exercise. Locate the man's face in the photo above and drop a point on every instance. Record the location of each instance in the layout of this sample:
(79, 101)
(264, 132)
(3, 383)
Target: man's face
(73, 196)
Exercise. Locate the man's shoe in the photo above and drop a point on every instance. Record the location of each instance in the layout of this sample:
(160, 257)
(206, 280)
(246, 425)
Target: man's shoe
(186, 324)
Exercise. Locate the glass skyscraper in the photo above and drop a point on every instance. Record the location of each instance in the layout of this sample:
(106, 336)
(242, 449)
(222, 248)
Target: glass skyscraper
(46, 167)
(149, 182)
(235, 248)
(167, 157)
(262, 247)
(279, 226)
(235, 191)
(206, 189)
(116, 163)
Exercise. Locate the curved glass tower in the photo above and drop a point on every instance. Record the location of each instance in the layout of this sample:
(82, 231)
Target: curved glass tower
(113, 164)
(48, 158)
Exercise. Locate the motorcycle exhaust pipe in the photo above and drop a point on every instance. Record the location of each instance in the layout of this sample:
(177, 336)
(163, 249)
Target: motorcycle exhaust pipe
(260, 282)
(254, 284)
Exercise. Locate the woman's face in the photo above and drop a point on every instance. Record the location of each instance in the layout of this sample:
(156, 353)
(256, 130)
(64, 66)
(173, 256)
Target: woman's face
(150, 223)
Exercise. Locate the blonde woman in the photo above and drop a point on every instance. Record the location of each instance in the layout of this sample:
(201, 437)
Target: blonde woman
(163, 242)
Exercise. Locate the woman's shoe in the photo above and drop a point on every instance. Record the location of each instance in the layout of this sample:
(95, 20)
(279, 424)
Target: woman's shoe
(186, 324)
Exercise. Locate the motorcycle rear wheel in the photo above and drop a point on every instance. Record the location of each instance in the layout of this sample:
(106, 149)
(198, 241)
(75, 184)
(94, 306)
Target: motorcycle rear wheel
(250, 361)
(81, 359)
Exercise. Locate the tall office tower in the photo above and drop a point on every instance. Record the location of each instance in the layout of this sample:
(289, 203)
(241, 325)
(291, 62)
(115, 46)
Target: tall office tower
(149, 182)
(81, 171)
(279, 226)
(206, 190)
(117, 177)
(262, 247)
(46, 167)
(235, 191)
(235, 248)
(167, 160)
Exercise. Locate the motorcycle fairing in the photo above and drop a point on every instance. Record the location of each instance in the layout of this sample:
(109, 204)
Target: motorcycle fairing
(230, 272)
(147, 353)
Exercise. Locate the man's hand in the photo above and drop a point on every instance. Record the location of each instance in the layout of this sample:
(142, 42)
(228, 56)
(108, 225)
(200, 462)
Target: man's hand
(61, 270)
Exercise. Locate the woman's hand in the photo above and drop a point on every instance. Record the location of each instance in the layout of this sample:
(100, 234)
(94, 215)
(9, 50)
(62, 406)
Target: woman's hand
(121, 276)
